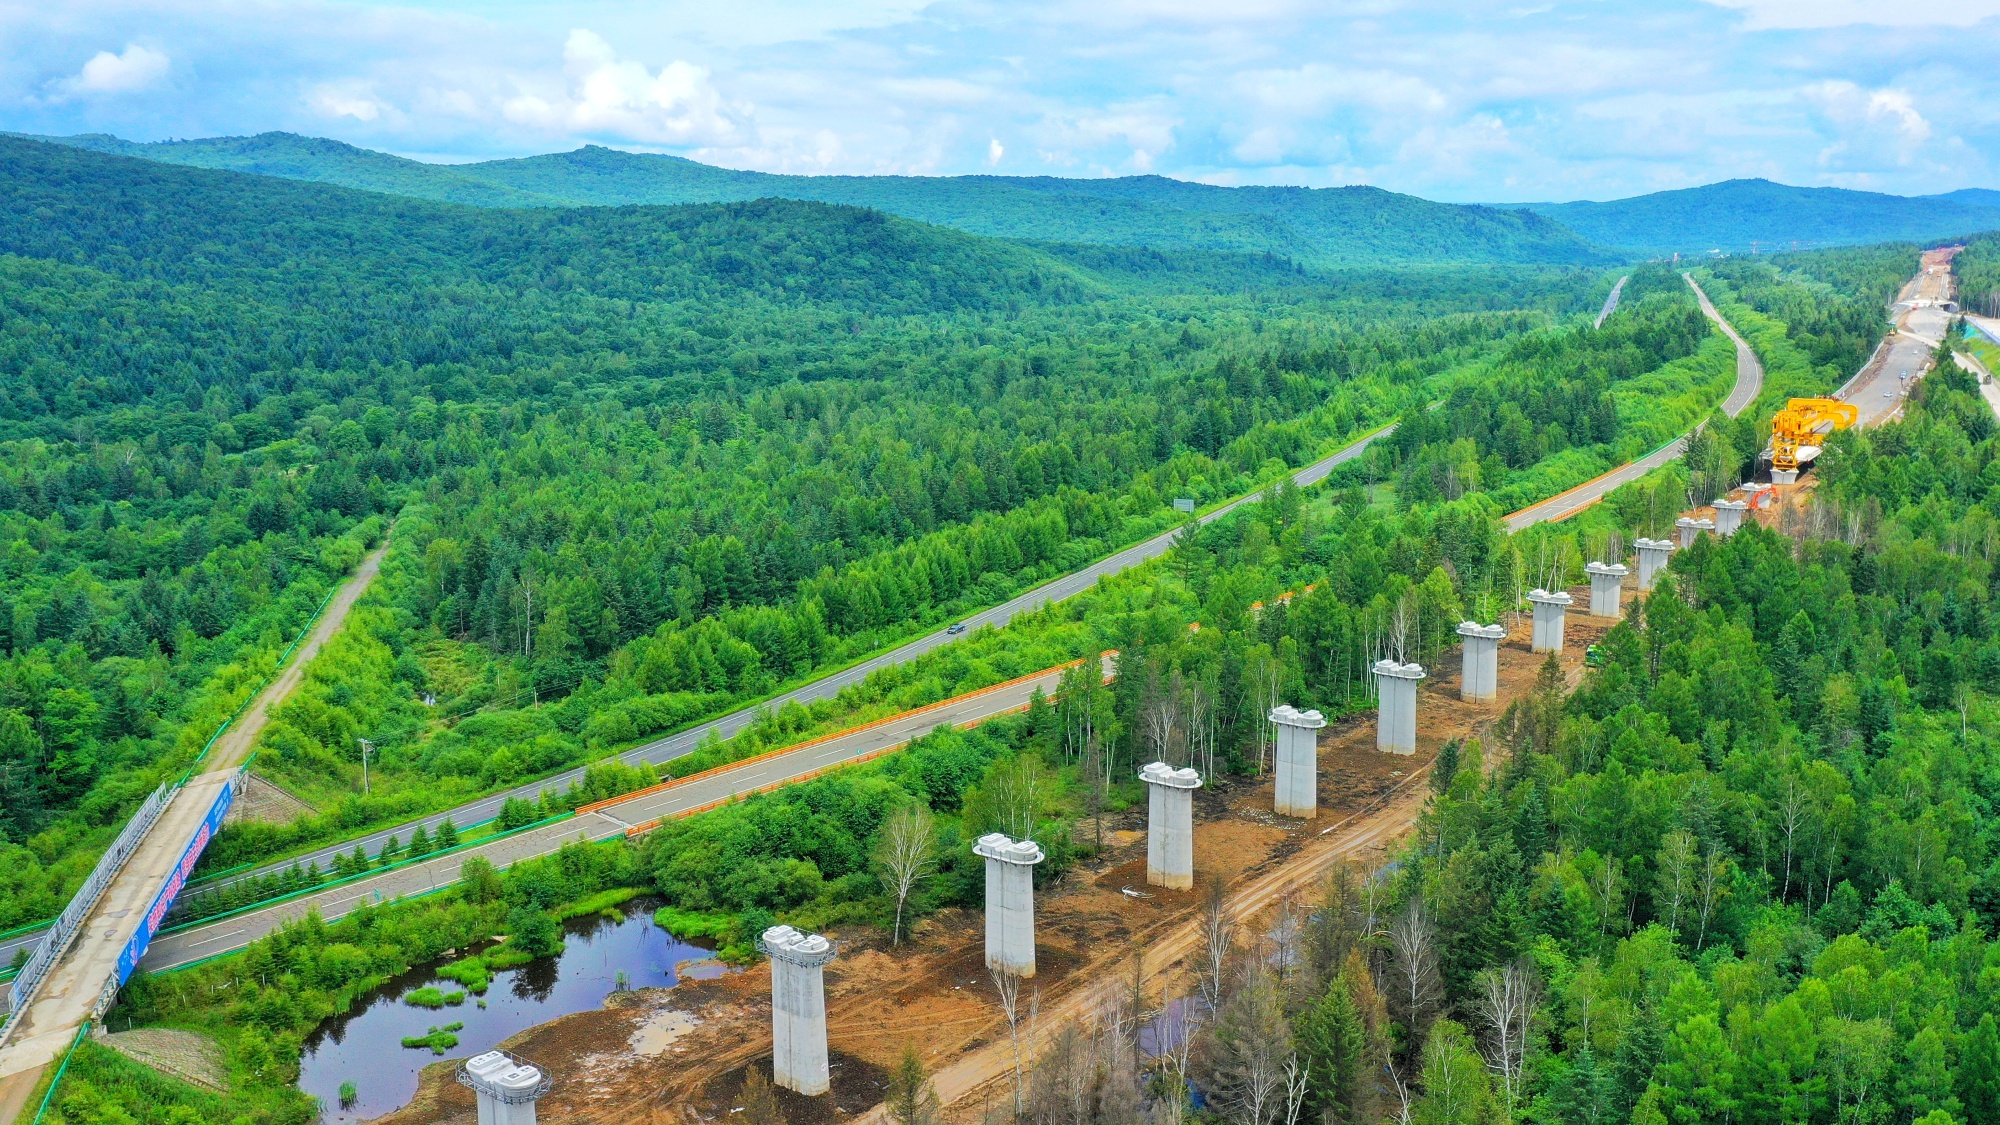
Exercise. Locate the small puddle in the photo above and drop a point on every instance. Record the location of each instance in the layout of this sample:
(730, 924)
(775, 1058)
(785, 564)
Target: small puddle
(365, 1045)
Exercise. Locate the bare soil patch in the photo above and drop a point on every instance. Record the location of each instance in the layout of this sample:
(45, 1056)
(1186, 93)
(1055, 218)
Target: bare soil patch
(934, 992)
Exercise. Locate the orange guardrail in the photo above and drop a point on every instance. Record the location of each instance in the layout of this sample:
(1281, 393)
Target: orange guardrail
(673, 783)
(664, 786)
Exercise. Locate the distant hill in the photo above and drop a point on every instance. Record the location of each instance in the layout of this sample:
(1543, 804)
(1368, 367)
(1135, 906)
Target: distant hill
(1734, 214)
(295, 242)
(1975, 196)
(292, 157)
(1316, 227)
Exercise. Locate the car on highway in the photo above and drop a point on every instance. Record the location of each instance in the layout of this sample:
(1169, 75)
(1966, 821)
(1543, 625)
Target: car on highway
(956, 628)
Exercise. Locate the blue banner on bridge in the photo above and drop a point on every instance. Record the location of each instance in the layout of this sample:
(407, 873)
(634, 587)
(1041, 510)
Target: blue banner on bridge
(150, 924)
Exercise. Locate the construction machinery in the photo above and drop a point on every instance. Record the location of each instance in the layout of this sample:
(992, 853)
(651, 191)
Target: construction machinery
(1797, 430)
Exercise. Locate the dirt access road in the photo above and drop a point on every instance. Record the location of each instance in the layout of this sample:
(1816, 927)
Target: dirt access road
(679, 1054)
(1749, 383)
(65, 999)
(1905, 354)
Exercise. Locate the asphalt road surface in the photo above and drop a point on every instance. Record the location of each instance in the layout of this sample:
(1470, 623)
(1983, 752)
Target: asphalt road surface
(664, 750)
(613, 819)
(1987, 388)
(1611, 302)
(1749, 383)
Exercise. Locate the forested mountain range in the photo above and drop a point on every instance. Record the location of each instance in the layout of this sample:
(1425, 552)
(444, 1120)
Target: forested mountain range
(1318, 227)
(1313, 227)
(760, 438)
(1734, 214)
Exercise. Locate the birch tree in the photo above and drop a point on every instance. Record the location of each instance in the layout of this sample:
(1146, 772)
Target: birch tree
(906, 851)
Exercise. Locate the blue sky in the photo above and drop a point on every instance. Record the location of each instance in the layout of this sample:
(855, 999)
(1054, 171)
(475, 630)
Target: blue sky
(1504, 101)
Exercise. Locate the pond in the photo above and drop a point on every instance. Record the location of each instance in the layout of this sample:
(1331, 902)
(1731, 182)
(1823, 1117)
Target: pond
(365, 1045)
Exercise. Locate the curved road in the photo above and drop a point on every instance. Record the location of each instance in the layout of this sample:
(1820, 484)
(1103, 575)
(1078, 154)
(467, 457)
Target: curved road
(1905, 354)
(1749, 383)
(673, 746)
(1611, 302)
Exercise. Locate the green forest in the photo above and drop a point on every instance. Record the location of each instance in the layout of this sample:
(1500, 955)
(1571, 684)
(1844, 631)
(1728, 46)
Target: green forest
(657, 483)
(1744, 872)
(636, 466)
(1321, 228)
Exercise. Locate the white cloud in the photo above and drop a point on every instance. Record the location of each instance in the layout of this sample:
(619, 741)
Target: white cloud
(139, 68)
(350, 98)
(609, 96)
(1456, 99)
(1869, 129)
(1767, 14)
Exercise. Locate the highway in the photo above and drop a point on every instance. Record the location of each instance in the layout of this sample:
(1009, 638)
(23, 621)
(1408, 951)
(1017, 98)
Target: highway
(1988, 390)
(1611, 302)
(610, 818)
(664, 750)
(1749, 383)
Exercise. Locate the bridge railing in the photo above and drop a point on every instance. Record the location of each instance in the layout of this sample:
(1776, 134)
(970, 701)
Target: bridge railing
(59, 935)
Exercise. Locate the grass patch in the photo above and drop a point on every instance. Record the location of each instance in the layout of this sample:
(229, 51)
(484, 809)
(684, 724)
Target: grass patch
(426, 997)
(438, 1039)
(472, 972)
(601, 903)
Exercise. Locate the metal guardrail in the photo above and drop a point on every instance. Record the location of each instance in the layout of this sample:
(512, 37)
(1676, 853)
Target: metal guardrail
(64, 930)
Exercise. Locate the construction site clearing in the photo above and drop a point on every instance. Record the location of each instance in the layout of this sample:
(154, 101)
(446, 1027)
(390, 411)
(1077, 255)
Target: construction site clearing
(679, 1055)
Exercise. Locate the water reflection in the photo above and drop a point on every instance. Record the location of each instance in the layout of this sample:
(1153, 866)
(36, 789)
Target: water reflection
(365, 1047)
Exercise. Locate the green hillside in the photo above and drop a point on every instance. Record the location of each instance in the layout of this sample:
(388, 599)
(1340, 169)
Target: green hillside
(1318, 227)
(725, 446)
(138, 219)
(1735, 214)
(292, 157)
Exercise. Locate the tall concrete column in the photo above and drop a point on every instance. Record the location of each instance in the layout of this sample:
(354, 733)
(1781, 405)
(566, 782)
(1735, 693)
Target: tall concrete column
(1729, 516)
(1690, 528)
(798, 1008)
(1010, 901)
(1479, 678)
(1396, 706)
(1652, 559)
(1607, 587)
(1297, 789)
(1551, 606)
(506, 1088)
(1170, 825)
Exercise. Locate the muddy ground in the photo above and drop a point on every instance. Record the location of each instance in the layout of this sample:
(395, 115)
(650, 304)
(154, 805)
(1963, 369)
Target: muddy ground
(679, 1054)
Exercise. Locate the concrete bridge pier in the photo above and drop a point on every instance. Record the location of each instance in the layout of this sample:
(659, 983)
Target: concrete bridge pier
(798, 1009)
(1170, 825)
(1297, 789)
(1010, 901)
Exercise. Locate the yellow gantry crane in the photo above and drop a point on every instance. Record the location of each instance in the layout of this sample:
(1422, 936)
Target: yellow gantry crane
(1796, 430)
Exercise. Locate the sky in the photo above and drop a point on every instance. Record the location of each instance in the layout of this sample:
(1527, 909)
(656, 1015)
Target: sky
(1472, 100)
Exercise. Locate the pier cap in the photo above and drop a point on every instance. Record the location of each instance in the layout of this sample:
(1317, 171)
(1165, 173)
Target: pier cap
(1291, 716)
(787, 944)
(1160, 773)
(1006, 849)
(1475, 629)
(1400, 671)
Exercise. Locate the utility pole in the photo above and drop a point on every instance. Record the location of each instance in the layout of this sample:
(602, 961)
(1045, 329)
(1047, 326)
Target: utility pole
(367, 748)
